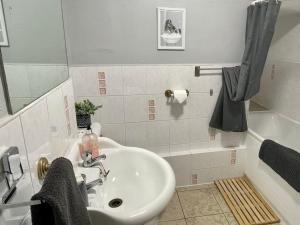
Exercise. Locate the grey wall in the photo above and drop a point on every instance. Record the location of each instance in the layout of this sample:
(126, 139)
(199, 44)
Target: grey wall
(35, 32)
(3, 110)
(125, 31)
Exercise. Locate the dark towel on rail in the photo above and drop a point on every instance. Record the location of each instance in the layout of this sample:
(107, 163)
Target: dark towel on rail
(63, 203)
(283, 160)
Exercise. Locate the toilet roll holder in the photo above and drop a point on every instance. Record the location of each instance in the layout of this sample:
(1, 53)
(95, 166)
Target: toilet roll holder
(170, 93)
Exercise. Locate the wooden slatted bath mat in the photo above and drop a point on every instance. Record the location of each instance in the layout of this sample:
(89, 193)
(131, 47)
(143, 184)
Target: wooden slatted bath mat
(246, 204)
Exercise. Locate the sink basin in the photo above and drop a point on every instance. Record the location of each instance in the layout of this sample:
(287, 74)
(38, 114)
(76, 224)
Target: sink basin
(141, 182)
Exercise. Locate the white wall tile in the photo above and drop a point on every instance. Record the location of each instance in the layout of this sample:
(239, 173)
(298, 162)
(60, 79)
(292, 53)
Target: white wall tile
(179, 148)
(160, 150)
(200, 84)
(85, 81)
(114, 131)
(180, 77)
(57, 122)
(208, 175)
(136, 134)
(181, 164)
(198, 130)
(201, 105)
(178, 111)
(134, 79)
(68, 91)
(179, 132)
(204, 83)
(210, 159)
(157, 78)
(136, 108)
(158, 133)
(112, 110)
(35, 124)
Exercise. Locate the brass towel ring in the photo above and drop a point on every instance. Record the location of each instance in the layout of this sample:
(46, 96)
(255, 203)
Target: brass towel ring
(42, 168)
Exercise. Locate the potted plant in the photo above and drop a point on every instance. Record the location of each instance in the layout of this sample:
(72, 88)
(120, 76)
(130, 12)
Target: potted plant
(84, 110)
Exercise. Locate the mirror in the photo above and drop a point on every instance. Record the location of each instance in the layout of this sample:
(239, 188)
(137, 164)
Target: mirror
(34, 55)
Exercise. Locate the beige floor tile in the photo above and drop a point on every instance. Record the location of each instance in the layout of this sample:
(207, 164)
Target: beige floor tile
(174, 222)
(230, 218)
(218, 196)
(196, 187)
(208, 220)
(173, 210)
(198, 203)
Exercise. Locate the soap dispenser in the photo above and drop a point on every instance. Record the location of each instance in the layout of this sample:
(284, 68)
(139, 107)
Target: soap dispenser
(90, 143)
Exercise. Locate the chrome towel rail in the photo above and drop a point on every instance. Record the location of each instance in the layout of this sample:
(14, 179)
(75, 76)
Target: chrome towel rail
(20, 204)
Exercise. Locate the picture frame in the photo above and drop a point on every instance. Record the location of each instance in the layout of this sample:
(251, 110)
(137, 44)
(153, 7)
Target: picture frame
(171, 27)
(3, 30)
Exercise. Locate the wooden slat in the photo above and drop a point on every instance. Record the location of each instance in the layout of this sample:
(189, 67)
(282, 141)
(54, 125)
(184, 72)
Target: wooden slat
(252, 207)
(253, 217)
(256, 200)
(230, 202)
(246, 204)
(260, 197)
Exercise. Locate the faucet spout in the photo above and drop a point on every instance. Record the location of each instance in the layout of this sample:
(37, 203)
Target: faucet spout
(94, 183)
(88, 161)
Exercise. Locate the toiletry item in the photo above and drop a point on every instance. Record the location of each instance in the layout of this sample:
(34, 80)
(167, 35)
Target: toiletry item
(90, 143)
(96, 128)
(180, 96)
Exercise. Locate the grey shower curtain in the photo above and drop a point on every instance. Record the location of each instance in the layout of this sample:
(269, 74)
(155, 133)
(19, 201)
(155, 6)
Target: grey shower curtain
(243, 82)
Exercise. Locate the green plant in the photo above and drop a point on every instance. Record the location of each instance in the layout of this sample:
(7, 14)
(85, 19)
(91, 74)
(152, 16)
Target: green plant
(86, 107)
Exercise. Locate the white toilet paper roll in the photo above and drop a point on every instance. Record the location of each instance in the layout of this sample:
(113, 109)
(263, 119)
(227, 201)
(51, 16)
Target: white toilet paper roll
(180, 96)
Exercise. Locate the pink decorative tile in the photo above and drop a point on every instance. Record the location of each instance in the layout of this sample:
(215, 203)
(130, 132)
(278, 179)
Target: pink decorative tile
(151, 102)
(66, 101)
(102, 91)
(152, 110)
(194, 178)
(69, 129)
(233, 157)
(151, 116)
(68, 115)
(101, 75)
(102, 83)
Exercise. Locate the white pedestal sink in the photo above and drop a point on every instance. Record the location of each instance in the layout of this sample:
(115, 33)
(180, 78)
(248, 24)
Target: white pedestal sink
(144, 182)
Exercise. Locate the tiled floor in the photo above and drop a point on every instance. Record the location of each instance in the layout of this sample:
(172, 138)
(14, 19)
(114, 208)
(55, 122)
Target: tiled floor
(197, 205)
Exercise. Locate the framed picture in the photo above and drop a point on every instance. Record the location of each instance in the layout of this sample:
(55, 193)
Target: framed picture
(171, 28)
(3, 32)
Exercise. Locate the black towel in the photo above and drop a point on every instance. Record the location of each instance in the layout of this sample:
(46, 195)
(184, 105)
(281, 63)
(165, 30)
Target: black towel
(283, 160)
(63, 203)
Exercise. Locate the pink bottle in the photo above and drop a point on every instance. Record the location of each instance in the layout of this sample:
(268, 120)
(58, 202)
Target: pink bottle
(90, 143)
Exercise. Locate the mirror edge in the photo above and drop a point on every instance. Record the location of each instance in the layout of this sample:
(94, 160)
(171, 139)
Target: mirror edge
(5, 86)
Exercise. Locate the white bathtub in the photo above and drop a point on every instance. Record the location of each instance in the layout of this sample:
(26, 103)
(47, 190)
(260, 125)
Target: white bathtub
(268, 125)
